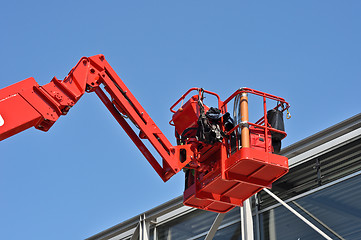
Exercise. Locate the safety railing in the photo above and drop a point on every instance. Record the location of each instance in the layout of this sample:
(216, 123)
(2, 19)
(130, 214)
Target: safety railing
(246, 127)
(200, 91)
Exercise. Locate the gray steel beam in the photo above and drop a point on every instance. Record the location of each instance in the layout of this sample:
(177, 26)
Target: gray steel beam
(318, 220)
(217, 222)
(297, 214)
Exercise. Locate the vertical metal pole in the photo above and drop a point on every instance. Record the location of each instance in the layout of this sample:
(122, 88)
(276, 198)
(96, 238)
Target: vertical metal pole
(169, 234)
(246, 221)
(272, 225)
(258, 231)
(244, 120)
(140, 228)
(242, 220)
(155, 232)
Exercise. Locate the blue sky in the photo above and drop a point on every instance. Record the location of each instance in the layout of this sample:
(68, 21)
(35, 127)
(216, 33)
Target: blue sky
(85, 174)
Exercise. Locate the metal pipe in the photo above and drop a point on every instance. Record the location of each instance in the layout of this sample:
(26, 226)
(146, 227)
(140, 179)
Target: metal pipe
(244, 121)
(246, 221)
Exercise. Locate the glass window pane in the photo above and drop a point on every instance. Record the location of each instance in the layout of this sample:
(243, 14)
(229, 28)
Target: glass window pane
(337, 207)
(199, 222)
(232, 232)
(280, 224)
(231, 216)
(187, 226)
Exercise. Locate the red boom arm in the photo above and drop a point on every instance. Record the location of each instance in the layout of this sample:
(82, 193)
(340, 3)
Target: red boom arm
(226, 161)
(26, 104)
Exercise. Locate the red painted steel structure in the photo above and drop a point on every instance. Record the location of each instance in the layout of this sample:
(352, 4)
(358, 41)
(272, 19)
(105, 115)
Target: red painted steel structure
(222, 179)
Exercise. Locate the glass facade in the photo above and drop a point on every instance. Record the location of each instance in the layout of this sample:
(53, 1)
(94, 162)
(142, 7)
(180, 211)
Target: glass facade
(334, 209)
(187, 226)
(197, 223)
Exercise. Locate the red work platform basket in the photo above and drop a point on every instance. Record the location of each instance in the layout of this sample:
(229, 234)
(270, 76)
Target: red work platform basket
(246, 172)
(228, 173)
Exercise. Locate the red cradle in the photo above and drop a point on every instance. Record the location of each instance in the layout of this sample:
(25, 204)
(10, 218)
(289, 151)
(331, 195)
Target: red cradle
(227, 176)
(245, 173)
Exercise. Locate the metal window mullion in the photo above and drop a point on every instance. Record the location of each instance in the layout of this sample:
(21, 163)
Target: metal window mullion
(258, 231)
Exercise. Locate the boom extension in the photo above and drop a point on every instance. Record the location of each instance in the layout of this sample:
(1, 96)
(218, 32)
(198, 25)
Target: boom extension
(226, 159)
(26, 104)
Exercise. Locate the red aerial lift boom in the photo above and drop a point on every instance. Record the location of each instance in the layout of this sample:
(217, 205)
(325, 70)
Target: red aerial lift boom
(226, 160)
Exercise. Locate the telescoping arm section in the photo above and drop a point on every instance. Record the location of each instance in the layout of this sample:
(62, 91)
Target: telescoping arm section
(26, 104)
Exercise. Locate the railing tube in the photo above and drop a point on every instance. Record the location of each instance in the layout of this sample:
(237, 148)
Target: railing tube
(244, 121)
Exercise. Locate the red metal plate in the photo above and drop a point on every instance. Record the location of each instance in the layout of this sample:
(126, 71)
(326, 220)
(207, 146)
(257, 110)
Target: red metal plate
(246, 172)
